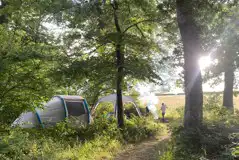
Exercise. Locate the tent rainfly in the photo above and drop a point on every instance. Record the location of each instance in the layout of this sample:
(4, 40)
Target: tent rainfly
(113, 99)
(57, 109)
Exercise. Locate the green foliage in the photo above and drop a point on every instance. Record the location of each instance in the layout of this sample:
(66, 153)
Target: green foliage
(217, 139)
(24, 68)
(203, 143)
(91, 36)
(214, 107)
(26, 58)
(220, 38)
(234, 148)
(143, 127)
(100, 139)
(103, 109)
(215, 113)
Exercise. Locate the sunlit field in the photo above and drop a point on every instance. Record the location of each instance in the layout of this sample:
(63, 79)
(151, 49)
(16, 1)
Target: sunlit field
(175, 101)
(172, 101)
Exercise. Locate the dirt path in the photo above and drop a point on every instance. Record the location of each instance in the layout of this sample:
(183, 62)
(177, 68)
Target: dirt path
(148, 150)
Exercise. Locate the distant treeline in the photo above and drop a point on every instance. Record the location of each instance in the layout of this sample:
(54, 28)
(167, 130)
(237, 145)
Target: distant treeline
(175, 94)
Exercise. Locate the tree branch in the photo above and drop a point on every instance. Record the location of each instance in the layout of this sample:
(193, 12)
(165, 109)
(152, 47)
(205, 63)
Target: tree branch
(115, 7)
(140, 31)
(135, 24)
(146, 20)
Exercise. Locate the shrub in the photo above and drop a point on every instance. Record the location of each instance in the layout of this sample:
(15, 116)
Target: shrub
(234, 147)
(138, 128)
(216, 114)
(201, 143)
(100, 139)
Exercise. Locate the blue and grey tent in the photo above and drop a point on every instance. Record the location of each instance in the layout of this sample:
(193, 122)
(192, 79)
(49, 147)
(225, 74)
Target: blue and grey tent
(57, 109)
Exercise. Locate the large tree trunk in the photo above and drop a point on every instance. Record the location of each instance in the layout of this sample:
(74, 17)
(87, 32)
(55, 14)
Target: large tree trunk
(120, 63)
(192, 74)
(228, 87)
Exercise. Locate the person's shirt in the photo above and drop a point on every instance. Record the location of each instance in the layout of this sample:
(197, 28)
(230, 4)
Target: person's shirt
(163, 108)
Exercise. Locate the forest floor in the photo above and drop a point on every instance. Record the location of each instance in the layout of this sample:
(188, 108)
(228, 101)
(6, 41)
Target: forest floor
(149, 149)
(153, 148)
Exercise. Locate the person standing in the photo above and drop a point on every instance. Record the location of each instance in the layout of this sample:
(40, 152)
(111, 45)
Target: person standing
(163, 109)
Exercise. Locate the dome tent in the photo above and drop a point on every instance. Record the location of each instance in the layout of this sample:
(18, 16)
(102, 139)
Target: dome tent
(113, 99)
(57, 109)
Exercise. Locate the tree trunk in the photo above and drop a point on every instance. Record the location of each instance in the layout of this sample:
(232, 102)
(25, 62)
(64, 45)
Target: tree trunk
(120, 113)
(192, 74)
(3, 18)
(120, 63)
(228, 87)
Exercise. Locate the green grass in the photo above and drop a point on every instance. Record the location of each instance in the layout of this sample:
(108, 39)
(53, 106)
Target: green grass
(102, 139)
(217, 139)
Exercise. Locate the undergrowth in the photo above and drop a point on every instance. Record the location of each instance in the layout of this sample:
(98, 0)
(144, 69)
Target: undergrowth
(217, 139)
(100, 139)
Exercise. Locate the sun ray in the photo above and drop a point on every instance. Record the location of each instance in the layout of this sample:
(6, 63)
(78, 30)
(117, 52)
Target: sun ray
(205, 62)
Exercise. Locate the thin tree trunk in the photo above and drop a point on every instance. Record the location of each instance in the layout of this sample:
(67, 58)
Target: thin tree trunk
(101, 24)
(120, 62)
(228, 87)
(3, 18)
(120, 113)
(192, 74)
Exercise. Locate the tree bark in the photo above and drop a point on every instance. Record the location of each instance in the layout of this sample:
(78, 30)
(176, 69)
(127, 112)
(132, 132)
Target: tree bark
(228, 87)
(3, 18)
(120, 62)
(192, 75)
(120, 113)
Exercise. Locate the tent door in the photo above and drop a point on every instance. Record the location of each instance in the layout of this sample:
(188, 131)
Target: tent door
(75, 108)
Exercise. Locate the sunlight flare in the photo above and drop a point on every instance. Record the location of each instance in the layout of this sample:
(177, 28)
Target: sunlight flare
(205, 62)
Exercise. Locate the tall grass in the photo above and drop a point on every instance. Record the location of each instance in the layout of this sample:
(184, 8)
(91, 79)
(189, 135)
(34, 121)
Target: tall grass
(102, 139)
(216, 139)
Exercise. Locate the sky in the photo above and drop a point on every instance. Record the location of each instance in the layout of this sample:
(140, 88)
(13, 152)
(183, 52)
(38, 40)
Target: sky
(204, 62)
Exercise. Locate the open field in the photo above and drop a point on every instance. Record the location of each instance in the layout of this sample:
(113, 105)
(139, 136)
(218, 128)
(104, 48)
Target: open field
(178, 100)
